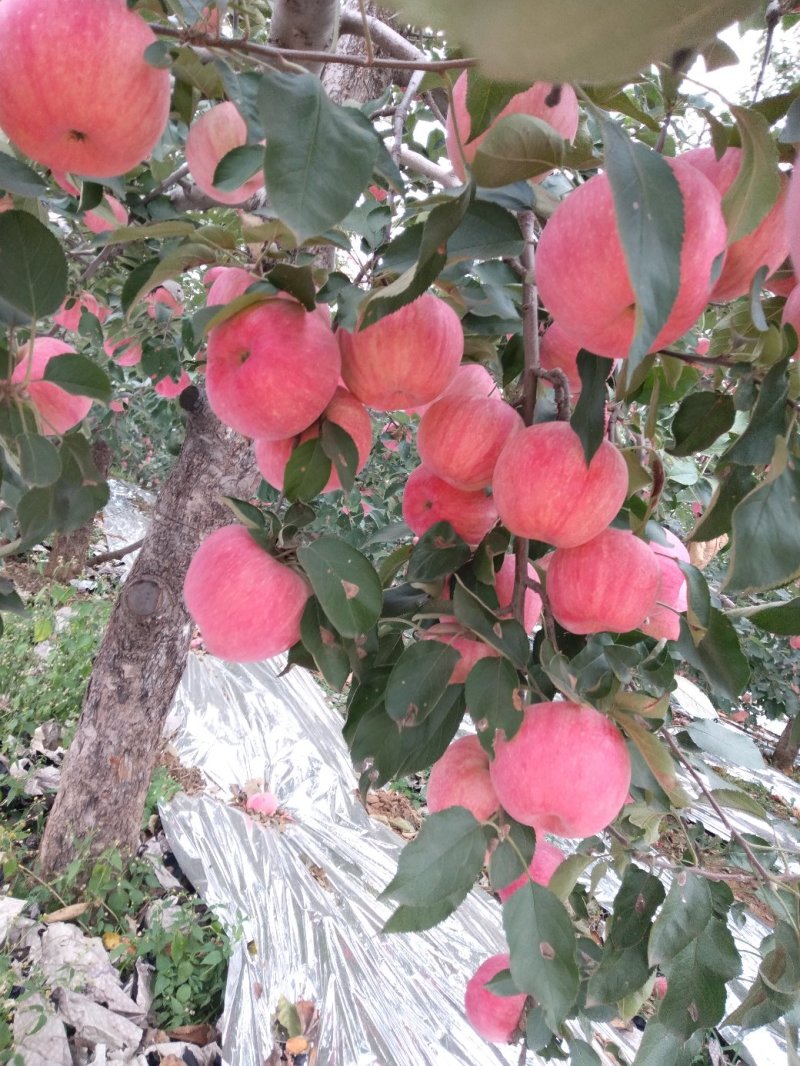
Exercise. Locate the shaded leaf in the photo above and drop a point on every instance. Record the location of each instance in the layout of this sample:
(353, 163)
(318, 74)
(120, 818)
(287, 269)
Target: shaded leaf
(418, 680)
(492, 698)
(757, 183)
(19, 179)
(718, 655)
(438, 552)
(700, 420)
(79, 375)
(307, 471)
(768, 421)
(516, 148)
(344, 582)
(33, 267)
(589, 417)
(331, 658)
(686, 912)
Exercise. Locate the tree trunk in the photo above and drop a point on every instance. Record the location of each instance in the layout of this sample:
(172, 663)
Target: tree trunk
(788, 746)
(143, 654)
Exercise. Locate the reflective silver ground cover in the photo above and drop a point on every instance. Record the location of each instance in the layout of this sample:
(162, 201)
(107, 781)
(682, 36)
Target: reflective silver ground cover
(383, 1000)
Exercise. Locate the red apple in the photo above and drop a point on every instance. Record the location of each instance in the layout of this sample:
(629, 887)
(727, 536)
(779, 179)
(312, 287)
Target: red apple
(783, 280)
(767, 245)
(58, 411)
(169, 296)
(262, 803)
(566, 771)
(557, 351)
(794, 642)
(583, 277)
(248, 605)
(6, 203)
(99, 220)
(562, 114)
(609, 583)
(211, 136)
(460, 778)
(407, 358)
(468, 646)
(471, 379)
(76, 93)
(504, 587)
(272, 369)
(546, 860)
(130, 353)
(346, 411)
(170, 389)
(428, 500)
(226, 283)
(493, 1017)
(69, 314)
(791, 313)
(461, 436)
(793, 217)
(544, 490)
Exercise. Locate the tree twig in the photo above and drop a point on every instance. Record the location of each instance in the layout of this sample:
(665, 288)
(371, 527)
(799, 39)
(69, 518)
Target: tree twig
(401, 112)
(117, 553)
(734, 832)
(270, 54)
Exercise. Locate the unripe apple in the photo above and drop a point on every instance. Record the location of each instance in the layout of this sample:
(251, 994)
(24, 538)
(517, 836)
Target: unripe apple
(76, 93)
(546, 860)
(170, 389)
(767, 245)
(583, 277)
(407, 358)
(544, 490)
(504, 588)
(98, 221)
(609, 583)
(69, 317)
(468, 646)
(559, 109)
(428, 500)
(346, 411)
(262, 803)
(460, 778)
(248, 605)
(126, 352)
(493, 1017)
(460, 437)
(272, 369)
(58, 411)
(566, 770)
(211, 136)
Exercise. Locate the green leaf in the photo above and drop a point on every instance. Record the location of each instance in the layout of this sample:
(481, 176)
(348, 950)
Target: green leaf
(251, 517)
(516, 148)
(307, 471)
(620, 973)
(736, 800)
(19, 179)
(341, 449)
(700, 420)
(637, 899)
(718, 655)
(695, 996)
(485, 100)
(345, 584)
(726, 743)
(78, 375)
(331, 658)
(439, 225)
(159, 55)
(543, 952)
(9, 598)
(319, 156)
(650, 219)
(39, 460)
(686, 912)
(299, 281)
(768, 421)
(588, 418)
(238, 166)
(698, 614)
(418, 680)
(512, 856)
(784, 977)
(757, 184)
(790, 134)
(582, 1054)
(508, 637)
(781, 618)
(437, 869)
(765, 550)
(438, 552)
(33, 267)
(492, 693)
(735, 483)
(554, 41)
(657, 757)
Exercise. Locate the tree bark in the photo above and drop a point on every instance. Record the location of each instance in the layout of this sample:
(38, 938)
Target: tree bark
(788, 746)
(141, 660)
